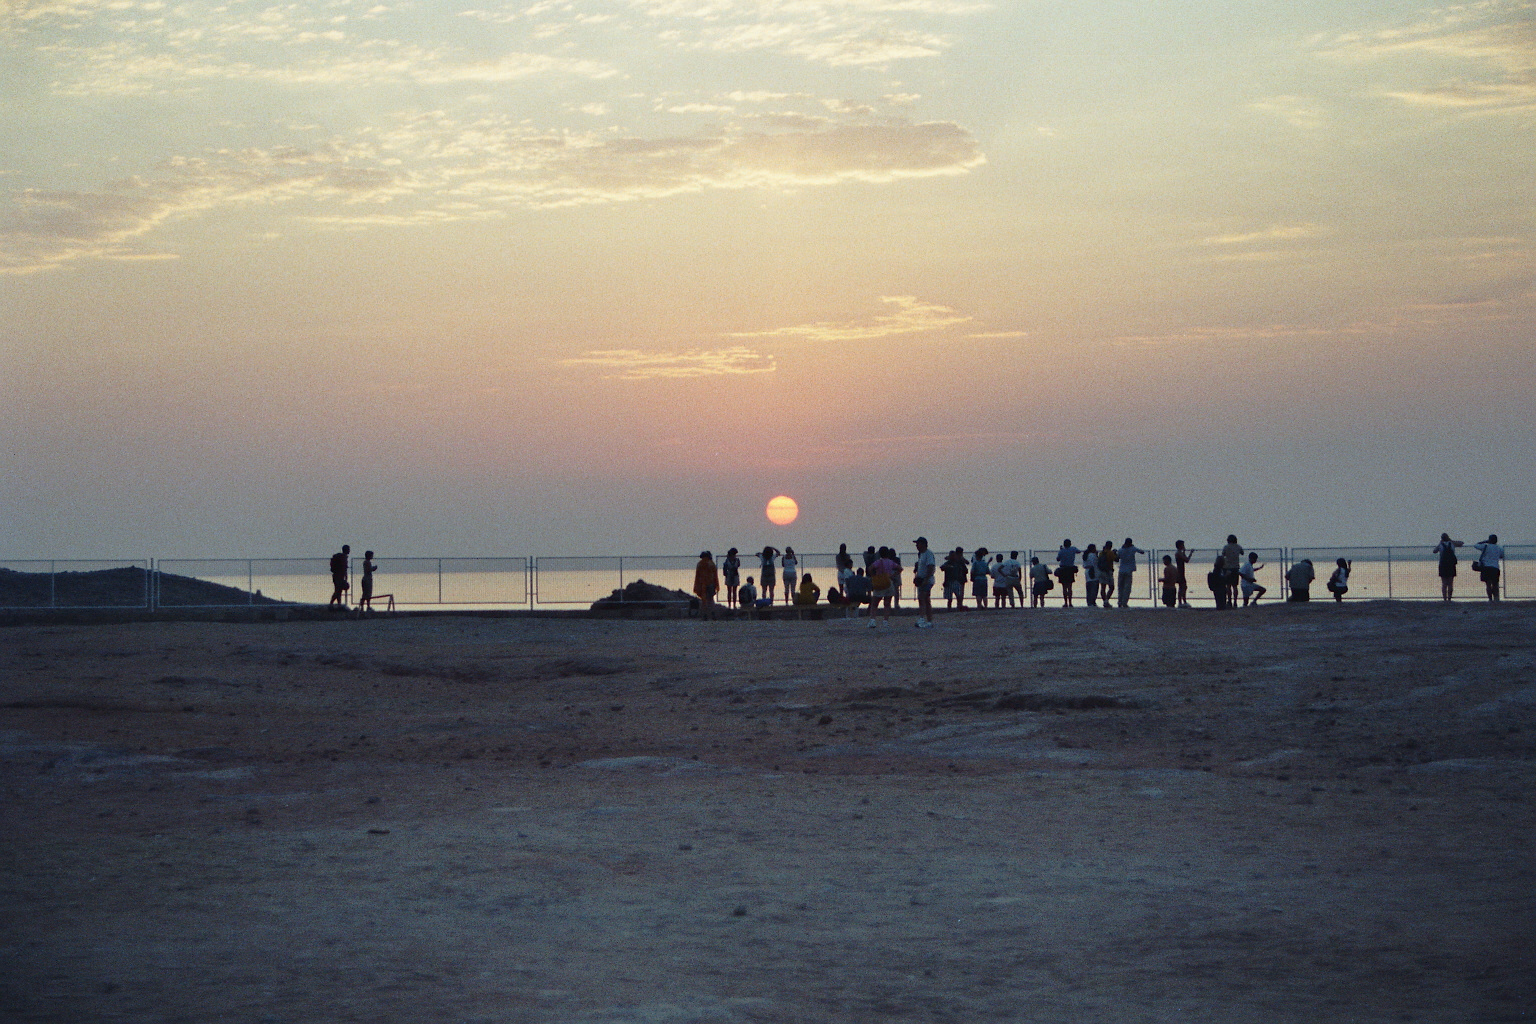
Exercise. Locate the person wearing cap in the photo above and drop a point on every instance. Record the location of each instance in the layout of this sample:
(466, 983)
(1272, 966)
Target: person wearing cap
(923, 571)
(706, 583)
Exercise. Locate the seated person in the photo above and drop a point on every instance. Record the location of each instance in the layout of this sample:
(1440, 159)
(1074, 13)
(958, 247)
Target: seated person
(835, 596)
(809, 593)
(1300, 577)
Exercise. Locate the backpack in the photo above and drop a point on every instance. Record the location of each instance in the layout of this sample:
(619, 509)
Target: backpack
(880, 580)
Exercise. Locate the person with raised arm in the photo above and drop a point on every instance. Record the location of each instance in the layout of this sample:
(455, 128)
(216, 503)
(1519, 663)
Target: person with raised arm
(1446, 550)
(767, 573)
(1490, 554)
(1249, 572)
(1182, 556)
(1128, 553)
(791, 566)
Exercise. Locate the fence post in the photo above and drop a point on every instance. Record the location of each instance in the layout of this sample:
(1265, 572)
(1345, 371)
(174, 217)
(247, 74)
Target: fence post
(621, 579)
(1389, 574)
(250, 581)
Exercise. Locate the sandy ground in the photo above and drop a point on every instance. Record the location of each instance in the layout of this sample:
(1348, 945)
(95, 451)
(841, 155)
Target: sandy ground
(1294, 814)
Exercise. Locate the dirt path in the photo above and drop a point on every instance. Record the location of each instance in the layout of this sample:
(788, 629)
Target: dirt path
(1296, 814)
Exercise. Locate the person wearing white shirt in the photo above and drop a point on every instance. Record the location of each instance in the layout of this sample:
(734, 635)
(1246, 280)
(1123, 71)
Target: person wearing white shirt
(1490, 554)
(1249, 574)
(923, 571)
(1128, 553)
(1066, 571)
(1013, 577)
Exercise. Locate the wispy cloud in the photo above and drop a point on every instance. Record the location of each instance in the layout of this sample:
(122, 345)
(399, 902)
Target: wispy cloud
(1272, 233)
(636, 364)
(910, 316)
(435, 170)
(1494, 42)
(1296, 111)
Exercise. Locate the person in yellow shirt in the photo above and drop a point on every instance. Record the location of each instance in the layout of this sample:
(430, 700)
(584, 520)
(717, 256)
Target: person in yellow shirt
(809, 593)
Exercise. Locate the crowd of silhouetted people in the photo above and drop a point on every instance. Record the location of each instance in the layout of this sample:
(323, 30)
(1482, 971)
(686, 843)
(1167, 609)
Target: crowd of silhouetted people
(996, 581)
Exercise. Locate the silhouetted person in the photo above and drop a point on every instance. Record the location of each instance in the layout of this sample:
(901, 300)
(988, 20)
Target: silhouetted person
(1338, 583)
(1300, 577)
(1446, 549)
(366, 598)
(1488, 559)
(768, 574)
(1128, 553)
(1181, 559)
(1249, 572)
(339, 584)
(730, 577)
(923, 573)
(955, 571)
(706, 583)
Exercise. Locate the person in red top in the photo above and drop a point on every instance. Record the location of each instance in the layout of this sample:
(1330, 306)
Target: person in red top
(706, 583)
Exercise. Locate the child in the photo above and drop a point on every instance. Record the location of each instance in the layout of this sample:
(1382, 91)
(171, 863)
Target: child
(1249, 573)
(1041, 577)
(1170, 583)
(1338, 583)
(746, 597)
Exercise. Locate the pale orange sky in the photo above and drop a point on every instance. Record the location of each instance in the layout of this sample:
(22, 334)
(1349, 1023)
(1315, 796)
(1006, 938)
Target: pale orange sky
(547, 278)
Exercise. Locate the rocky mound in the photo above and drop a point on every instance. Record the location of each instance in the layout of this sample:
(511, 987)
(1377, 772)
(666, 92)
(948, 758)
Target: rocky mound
(641, 594)
(114, 588)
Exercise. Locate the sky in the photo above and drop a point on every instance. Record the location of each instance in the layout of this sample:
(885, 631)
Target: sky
(543, 278)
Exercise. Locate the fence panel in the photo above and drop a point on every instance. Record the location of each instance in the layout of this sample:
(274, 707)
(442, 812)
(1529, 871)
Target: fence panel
(230, 582)
(1371, 575)
(575, 579)
(58, 583)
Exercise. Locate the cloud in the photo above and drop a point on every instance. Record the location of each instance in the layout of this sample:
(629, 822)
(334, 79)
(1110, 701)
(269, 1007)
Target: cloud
(911, 316)
(1273, 233)
(41, 229)
(1496, 39)
(635, 364)
(433, 170)
(1296, 111)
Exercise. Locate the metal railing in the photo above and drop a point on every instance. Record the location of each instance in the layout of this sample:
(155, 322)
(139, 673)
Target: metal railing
(1399, 572)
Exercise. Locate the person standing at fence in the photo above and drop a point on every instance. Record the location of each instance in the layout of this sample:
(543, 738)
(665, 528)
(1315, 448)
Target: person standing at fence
(1446, 549)
(924, 569)
(730, 576)
(954, 569)
(1181, 559)
(1490, 554)
(1249, 571)
(1338, 583)
(1128, 553)
(1066, 570)
(1232, 554)
(791, 566)
(706, 584)
(1300, 577)
(1170, 583)
(1091, 574)
(1107, 559)
(365, 598)
(767, 570)
(979, 577)
(339, 584)
(1039, 582)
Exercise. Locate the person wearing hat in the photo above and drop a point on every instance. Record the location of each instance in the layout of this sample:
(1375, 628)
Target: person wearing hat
(923, 571)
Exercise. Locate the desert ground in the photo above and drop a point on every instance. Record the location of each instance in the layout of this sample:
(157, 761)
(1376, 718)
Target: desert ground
(1291, 814)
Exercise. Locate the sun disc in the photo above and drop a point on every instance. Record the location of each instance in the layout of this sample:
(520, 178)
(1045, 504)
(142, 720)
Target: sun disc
(782, 510)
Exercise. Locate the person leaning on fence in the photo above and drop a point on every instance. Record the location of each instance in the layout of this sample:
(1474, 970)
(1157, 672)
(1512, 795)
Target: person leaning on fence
(1107, 559)
(1490, 554)
(1446, 549)
(1091, 574)
(339, 584)
(979, 577)
(955, 572)
(1232, 554)
(1040, 582)
(1300, 577)
(1338, 583)
(767, 573)
(1066, 570)
(706, 584)
(1128, 553)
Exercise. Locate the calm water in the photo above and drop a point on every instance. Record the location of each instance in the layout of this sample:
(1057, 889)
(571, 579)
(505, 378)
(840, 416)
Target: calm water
(577, 582)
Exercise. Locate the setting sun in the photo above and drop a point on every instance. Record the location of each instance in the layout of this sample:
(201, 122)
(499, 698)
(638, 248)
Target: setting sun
(782, 510)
